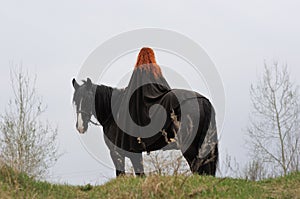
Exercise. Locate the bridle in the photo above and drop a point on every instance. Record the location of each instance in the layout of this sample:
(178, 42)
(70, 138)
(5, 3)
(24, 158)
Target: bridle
(89, 116)
(89, 96)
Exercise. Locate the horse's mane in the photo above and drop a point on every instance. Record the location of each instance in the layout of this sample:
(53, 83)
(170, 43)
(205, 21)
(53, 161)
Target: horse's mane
(146, 60)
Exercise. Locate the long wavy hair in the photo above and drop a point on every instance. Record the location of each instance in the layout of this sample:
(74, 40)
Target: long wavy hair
(146, 60)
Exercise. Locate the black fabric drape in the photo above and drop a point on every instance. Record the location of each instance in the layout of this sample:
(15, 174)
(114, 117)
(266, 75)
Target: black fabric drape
(143, 91)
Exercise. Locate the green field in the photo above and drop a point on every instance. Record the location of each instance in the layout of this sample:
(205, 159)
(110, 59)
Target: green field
(21, 186)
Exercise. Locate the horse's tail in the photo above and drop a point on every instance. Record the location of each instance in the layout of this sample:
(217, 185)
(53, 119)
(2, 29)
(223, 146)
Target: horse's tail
(208, 153)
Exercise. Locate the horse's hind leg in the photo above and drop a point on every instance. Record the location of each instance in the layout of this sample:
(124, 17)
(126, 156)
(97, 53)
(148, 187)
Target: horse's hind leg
(208, 165)
(202, 154)
(119, 162)
(137, 163)
(189, 152)
(207, 157)
(190, 155)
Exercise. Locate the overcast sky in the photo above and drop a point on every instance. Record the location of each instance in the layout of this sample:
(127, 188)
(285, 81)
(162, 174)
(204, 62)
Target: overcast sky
(52, 39)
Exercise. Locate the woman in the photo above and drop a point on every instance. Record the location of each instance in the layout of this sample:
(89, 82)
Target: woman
(146, 87)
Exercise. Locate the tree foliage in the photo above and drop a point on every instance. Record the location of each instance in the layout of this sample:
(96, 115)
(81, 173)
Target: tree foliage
(27, 144)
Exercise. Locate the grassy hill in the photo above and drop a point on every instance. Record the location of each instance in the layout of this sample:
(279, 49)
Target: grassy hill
(14, 185)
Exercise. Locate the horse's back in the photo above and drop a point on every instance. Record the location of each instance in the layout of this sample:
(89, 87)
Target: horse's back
(177, 99)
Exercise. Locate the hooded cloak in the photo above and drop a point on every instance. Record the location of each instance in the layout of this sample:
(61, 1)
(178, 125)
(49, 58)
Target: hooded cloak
(146, 87)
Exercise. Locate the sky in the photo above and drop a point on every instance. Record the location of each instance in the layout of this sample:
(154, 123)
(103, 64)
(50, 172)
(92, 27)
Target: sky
(53, 39)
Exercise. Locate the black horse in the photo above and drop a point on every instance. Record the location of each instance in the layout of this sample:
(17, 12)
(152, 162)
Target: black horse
(193, 131)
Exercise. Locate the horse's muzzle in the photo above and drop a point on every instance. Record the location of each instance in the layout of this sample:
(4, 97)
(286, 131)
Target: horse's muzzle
(81, 130)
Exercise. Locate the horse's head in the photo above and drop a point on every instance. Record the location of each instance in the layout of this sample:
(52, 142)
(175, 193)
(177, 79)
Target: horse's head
(83, 99)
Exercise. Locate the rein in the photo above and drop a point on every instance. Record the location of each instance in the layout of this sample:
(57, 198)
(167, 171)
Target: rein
(95, 123)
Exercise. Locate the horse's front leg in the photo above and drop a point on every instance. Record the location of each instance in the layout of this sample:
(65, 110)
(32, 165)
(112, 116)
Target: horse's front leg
(119, 162)
(137, 163)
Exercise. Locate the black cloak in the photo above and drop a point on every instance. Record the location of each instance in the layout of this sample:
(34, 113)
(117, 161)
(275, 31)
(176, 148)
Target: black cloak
(145, 89)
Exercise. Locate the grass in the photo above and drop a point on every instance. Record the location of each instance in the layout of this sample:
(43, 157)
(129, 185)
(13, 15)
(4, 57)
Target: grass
(13, 185)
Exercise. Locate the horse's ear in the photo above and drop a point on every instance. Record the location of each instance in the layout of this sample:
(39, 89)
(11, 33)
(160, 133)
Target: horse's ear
(88, 83)
(75, 84)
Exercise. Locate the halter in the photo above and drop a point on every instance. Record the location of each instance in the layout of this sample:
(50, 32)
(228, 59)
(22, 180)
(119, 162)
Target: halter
(90, 116)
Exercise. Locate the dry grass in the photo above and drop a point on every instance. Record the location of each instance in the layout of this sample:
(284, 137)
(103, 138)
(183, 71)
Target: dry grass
(13, 185)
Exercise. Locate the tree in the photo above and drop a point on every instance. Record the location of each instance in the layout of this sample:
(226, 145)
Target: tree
(26, 143)
(254, 170)
(273, 130)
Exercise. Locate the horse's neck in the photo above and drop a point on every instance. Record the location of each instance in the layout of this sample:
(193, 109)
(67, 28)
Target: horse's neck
(102, 103)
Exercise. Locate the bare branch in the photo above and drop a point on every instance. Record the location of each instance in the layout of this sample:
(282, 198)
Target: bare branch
(274, 120)
(26, 143)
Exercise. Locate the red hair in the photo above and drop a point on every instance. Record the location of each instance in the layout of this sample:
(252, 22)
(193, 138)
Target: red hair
(146, 60)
